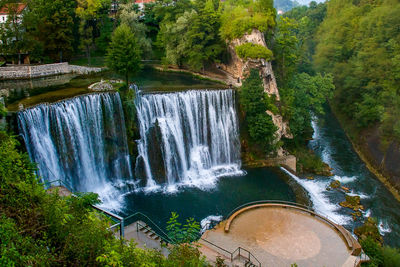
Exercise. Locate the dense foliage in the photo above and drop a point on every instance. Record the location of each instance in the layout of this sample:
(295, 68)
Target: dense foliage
(253, 51)
(372, 244)
(359, 42)
(254, 103)
(39, 228)
(355, 41)
(303, 91)
(237, 20)
(123, 54)
(189, 35)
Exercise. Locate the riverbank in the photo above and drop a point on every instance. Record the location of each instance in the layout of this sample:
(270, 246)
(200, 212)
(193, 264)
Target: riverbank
(19, 72)
(351, 135)
(209, 75)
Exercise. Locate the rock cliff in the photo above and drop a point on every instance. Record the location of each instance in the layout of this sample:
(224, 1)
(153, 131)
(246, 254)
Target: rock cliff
(239, 68)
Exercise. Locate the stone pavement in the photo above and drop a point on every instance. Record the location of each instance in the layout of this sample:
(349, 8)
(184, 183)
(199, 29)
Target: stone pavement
(281, 237)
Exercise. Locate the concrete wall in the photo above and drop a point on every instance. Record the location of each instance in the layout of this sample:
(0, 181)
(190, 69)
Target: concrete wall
(35, 71)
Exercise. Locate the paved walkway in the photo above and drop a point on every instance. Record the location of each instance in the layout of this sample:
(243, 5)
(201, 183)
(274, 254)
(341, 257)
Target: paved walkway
(281, 237)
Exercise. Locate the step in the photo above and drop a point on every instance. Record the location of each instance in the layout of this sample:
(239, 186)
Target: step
(152, 235)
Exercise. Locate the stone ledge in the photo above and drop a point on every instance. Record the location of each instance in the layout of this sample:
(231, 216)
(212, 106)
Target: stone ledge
(36, 71)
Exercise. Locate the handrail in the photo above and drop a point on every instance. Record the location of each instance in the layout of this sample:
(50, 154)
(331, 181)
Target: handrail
(249, 253)
(361, 258)
(61, 182)
(160, 231)
(227, 251)
(232, 254)
(166, 240)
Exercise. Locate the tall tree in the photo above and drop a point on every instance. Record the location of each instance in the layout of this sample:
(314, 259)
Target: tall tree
(124, 53)
(89, 12)
(203, 38)
(130, 16)
(50, 24)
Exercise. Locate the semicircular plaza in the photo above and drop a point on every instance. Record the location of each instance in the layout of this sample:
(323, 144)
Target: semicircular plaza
(280, 234)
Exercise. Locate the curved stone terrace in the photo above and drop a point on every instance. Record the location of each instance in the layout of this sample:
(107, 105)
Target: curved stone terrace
(281, 234)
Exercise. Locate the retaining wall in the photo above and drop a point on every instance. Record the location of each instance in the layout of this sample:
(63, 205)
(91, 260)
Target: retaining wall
(35, 71)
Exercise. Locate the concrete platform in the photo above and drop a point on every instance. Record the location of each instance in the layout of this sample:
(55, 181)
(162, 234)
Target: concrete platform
(279, 236)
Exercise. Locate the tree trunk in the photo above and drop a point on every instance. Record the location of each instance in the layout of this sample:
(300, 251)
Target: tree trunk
(88, 54)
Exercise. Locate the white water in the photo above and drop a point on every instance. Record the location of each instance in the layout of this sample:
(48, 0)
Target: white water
(187, 139)
(82, 142)
(384, 227)
(212, 219)
(321, 203)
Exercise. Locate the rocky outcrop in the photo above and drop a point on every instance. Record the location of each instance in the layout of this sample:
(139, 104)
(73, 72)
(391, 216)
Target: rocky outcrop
(283, 127)
(107, 85)
(239, 69)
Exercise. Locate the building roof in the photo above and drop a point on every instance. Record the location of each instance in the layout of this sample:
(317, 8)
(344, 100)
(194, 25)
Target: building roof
(144, 1)
(18, 8)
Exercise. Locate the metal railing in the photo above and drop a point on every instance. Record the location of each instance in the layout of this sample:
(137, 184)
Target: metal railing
(236, 253)
(60, 182)
(155, 228)
(361, 259)
(250, 257)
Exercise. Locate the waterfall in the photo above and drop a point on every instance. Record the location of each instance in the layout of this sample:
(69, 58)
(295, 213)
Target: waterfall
(188, 138)
(81, 141)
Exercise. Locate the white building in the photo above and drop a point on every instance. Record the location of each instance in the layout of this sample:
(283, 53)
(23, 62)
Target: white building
(8, 9)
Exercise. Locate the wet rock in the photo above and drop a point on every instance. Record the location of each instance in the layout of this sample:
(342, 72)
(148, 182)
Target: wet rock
(101, 86)
(352, 202)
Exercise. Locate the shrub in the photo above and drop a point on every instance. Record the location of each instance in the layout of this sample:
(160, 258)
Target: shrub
(253, 51)
(238, 21)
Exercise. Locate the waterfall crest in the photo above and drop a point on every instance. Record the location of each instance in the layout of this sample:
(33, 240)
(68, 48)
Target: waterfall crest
(81, 141)
(187, 138)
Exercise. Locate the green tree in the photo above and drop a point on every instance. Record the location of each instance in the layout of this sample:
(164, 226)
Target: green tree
(255, 102)
(286, 49)
(303, 96)
(359, 43)
(124, 55)
(89, 13)
(130, 16)
(204, 44)
(50, 26)
(192, 39)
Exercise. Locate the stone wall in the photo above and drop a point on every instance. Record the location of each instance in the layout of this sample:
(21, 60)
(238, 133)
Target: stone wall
(35, 71)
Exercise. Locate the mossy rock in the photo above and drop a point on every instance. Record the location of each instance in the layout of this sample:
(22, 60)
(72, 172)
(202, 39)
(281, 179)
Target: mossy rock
(369, 229)
(356, 215)
(335, 184)
(352, 202)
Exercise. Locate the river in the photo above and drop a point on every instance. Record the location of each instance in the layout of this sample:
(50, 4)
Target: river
(332, 145)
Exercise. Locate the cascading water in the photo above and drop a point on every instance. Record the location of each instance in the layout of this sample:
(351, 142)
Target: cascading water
(187, 138)
(81, 141)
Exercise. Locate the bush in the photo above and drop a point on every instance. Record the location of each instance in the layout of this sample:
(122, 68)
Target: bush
(391, 256)
(253, 51)
(238, 21)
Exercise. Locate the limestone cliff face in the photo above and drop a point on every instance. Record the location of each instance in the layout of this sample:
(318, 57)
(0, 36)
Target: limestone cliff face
(239, 69)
